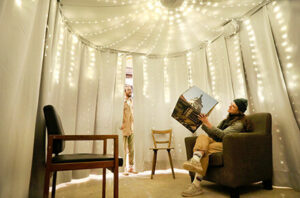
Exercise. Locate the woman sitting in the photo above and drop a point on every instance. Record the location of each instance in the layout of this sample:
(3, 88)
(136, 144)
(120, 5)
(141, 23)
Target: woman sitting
(235, 122)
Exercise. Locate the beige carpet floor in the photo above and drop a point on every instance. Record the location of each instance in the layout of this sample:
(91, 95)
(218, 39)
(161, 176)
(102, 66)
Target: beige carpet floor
(162, 186)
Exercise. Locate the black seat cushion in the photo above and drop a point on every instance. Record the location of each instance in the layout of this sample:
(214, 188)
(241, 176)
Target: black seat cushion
(84, 157)
(216, 159)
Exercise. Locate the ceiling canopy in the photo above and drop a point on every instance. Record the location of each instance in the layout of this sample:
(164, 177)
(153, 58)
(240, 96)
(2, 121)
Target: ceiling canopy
(152, 27)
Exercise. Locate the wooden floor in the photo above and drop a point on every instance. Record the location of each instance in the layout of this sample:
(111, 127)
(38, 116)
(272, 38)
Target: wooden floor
(162, 186)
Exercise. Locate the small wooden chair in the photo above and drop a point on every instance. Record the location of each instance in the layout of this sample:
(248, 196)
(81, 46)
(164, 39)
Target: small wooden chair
(155, 149)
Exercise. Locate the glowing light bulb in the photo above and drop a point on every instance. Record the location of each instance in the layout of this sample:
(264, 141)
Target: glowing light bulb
(19, 3)
(284, 28)
(279, 15)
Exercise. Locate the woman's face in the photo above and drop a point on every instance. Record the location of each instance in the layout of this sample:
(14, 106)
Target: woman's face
(233, 109)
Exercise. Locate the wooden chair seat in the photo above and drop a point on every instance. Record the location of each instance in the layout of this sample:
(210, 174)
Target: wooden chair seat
(165, 148)
(84, 157)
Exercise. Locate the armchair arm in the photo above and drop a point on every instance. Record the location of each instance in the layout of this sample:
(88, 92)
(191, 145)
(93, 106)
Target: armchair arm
(250, 152)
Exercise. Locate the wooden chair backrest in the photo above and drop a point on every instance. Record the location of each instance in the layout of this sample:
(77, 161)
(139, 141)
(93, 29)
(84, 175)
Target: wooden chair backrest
(157, 132)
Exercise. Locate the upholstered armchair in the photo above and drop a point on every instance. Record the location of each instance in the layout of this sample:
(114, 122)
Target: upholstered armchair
(246, 156)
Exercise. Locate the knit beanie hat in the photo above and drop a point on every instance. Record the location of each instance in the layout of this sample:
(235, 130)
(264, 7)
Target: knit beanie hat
(242, 104)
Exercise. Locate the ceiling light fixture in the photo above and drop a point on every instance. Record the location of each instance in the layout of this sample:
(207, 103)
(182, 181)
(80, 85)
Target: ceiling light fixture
(171, 4)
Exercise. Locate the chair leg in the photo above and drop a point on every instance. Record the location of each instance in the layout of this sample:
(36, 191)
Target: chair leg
(53, 184)
(171, 163)
(116, 182)
(267, 184)
(103, 182)
(153, 163)
(46, 183)
(234, 193)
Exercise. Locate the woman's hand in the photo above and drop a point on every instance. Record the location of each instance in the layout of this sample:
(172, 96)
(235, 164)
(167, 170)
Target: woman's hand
(204, 120)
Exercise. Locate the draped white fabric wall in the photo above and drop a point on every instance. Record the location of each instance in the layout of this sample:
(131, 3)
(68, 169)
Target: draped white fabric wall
(285, 28)
(23, 26)
(268, 91)
(159, 82)
(86, 88)
(246, 64)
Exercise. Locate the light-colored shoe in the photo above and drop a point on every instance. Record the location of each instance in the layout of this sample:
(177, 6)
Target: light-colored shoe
(131, 170)
(192, 190)
(193, 166)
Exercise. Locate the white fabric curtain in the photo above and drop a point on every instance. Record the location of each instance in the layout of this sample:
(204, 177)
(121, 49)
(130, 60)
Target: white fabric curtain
(86, 86)
(249, 65)
(158, 83)
(243, 65)
(270, 91)
(154, 101)
(285, 31)
(23, 26)
(110, 98)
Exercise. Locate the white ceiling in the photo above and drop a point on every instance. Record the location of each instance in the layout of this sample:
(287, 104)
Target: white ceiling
(147, 26)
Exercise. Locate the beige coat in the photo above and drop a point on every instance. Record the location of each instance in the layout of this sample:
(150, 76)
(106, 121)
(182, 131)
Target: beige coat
(127, 118)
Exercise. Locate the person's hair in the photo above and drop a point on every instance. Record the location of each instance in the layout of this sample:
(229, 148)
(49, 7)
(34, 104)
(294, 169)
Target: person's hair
(248, 126)
(126, 87)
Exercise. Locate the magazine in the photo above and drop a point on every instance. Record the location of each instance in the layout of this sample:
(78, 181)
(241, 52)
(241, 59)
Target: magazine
(190, 104)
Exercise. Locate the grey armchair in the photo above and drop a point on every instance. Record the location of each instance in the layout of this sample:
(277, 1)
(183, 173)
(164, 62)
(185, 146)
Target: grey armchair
(246, 157)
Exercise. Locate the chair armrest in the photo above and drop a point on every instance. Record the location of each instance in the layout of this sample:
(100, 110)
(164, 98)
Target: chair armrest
(82, 137)
(242, 151)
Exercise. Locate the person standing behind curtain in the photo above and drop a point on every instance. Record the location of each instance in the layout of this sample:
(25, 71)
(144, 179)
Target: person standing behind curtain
(127, 128)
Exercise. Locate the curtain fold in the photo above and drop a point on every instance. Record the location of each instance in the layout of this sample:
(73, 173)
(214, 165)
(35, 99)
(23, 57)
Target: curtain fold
(268, 92)
(22, 35)
(285, 35)
(106, 87)
(220, 78)
(86, 88)
(118, 100)
(237, 72)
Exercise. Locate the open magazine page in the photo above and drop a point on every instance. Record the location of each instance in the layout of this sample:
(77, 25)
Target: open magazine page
(190, 104)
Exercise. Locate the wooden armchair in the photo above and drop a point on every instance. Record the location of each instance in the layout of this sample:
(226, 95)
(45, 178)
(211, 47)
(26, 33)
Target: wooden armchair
(60, 162)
